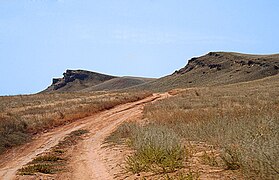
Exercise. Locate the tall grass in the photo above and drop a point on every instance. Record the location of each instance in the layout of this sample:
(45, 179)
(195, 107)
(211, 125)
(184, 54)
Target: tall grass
(158, 149)
(23, 116)
(13, 132)
(242, 122)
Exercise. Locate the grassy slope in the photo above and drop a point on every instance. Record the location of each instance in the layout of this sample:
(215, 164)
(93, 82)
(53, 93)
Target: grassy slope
(218, 68)
(118, 84)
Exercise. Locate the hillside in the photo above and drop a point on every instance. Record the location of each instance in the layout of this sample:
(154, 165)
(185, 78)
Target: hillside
(218, 68)
(87, 81)
(118, 83)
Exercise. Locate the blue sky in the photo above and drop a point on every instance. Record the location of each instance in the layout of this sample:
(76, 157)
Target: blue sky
(40, 39)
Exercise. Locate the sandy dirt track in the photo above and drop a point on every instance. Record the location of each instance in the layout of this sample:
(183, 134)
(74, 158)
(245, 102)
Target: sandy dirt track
(86, 162)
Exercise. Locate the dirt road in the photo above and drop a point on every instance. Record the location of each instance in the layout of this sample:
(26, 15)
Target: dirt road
(86, 163)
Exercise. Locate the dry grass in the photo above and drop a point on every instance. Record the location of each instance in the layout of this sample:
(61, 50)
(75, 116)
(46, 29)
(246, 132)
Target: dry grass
(24, 115)
(239, 122)
(242, 120)
(158, 149)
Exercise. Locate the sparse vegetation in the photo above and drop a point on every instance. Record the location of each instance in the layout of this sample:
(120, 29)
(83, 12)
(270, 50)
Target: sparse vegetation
(24, 115)
(122, 133)
(69, 140)
(183, 176)
(54, 160)
(209, 158)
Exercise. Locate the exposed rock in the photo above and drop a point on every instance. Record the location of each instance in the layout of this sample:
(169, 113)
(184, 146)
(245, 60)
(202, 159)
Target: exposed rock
(229, 62)
(75, 80)
(56, 80)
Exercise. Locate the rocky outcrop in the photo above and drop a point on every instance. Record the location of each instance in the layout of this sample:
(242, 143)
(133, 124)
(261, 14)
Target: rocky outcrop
(232, 62)
(75, 80)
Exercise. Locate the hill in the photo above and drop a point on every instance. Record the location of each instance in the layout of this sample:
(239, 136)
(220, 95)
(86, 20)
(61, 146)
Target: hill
(218, 68)
(87, 81)
(76, 80)
(118, 84)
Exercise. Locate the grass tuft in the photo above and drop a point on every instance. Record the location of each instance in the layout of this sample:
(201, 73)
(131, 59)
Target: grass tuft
(37, 168)
(46, 158)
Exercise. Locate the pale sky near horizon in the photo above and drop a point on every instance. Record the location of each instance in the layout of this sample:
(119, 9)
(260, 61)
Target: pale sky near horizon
(40, 39)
